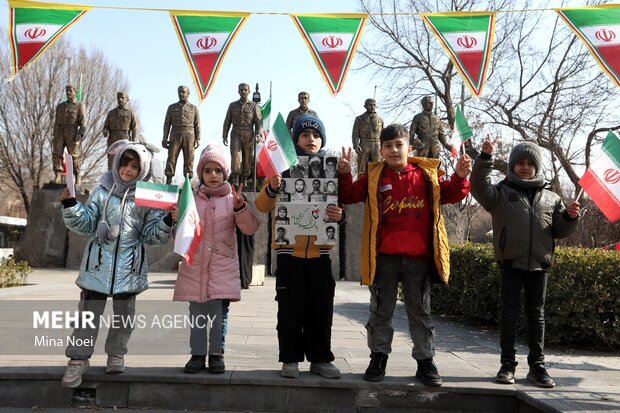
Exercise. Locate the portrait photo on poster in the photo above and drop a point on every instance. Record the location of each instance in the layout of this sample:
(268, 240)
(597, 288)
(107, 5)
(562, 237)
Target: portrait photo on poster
(303, 197)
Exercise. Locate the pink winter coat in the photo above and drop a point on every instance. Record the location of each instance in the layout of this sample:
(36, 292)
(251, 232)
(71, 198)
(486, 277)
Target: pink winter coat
(214, 273)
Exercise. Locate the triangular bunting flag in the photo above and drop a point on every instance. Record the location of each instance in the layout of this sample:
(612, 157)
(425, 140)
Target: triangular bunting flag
(332, 40)
(205, 38)
(34, 26)
(599, 28)
(467, 38)
(189, 228)
(461, 131)
(278, 152)
(602, 179)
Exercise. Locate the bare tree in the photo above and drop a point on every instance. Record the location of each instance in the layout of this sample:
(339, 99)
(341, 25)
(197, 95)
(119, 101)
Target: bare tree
(542, 84)
(28, 110)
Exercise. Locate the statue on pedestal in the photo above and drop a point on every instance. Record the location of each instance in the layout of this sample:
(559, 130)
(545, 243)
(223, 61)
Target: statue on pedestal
(427, 131)
(121, 123)
(69, 129)
(181, 132)
(303, 98)
(247, 126)
(366, 130)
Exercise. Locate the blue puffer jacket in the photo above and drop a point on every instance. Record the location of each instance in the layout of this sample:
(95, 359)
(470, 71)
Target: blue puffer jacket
(118, 265)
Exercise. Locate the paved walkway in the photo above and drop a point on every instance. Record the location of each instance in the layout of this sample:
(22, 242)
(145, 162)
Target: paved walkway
(466, 356)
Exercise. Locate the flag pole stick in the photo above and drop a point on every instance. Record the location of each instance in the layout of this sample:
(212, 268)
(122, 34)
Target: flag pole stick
(579, 194)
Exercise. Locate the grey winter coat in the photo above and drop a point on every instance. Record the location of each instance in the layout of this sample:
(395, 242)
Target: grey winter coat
(118, 265)
(523, 232)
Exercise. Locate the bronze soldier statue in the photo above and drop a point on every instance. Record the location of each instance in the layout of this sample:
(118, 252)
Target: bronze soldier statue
(247, 126)
(181, 132)
(303, 98)
(69, 129)
(365, 136)
(121, 123)
(429, 130)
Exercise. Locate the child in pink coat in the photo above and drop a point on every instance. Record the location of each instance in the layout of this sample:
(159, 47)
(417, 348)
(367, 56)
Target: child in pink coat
(212, 280)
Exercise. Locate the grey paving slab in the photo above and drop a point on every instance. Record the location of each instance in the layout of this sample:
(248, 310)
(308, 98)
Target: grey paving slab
(467, 357)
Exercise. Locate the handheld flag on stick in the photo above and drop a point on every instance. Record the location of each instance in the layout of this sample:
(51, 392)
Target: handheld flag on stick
(156, 195)
(278, 152)
(189, 229)
(602, 179)
(461, 131)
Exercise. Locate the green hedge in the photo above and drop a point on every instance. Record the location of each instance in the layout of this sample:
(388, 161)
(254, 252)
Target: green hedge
(13, 273)
(582, 307)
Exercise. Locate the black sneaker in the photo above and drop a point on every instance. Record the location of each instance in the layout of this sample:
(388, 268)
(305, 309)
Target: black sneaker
(427, 373)
(539, 376)
(506, 373)
(216, 365)
(376, 369)
(195, 364)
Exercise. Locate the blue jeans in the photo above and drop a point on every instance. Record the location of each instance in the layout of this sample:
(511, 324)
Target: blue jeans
(534, 283)
(415, 277)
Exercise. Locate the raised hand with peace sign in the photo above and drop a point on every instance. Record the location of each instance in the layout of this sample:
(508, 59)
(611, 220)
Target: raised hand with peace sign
(238, 199)
(488, 145)
(344, 163)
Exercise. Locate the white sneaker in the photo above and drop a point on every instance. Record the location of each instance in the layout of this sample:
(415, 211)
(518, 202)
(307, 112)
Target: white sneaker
(73, 374)
(115, 364)
(327, 370)
(290, 370)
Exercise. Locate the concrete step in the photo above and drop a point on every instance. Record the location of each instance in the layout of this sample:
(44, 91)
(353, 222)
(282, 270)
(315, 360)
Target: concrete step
(170, 389)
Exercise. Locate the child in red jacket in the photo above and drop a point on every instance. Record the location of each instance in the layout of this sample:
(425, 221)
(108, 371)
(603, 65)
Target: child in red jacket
(404, 239)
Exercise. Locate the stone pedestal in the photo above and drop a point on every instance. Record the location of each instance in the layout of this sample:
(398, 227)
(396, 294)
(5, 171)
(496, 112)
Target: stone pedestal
(44, 242)
(47, 242)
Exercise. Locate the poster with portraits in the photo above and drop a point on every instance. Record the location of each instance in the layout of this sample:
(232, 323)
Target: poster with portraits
(306, 190)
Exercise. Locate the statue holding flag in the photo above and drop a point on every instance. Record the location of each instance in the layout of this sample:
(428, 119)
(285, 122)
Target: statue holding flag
(69, 129)
(245, 118)
(426, 131)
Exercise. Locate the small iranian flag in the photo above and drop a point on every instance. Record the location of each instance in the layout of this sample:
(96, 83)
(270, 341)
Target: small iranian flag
(599, 28)
(34, 26)
(467, 37)
(265, 115)
(602, 179)
(332, 40)
(156, 195)
(205, 38)
(461, 131)
(189, 229)
(278, 152)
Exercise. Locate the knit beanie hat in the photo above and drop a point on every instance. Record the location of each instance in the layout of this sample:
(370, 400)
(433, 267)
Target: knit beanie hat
(309, 122)
(213, 153)
(526, 150)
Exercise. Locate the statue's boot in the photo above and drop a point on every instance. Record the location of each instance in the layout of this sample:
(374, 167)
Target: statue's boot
(78, 181)
(58, 178)
(168, 180)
